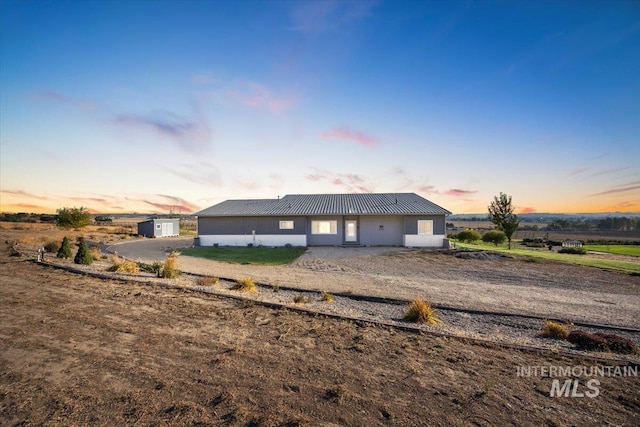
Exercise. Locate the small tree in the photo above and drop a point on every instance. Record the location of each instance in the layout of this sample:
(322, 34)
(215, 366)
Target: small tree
(494, 236)
(501, 214)
(65, 249)
(73, 217)
(83, 256)
(468, 236)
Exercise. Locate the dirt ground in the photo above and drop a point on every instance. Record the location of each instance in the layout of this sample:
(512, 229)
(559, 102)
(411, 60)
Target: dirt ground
(76, 350)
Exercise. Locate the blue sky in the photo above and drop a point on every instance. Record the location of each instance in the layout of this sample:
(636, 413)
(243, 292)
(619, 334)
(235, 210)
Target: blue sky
(152, 106)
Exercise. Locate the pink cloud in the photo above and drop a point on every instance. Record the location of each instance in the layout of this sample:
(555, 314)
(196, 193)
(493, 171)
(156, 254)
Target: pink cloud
(458, 192)
(259, 96)
(527, 210)
(347, 134)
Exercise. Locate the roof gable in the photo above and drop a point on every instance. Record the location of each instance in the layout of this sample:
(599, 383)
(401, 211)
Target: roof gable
(328, 204)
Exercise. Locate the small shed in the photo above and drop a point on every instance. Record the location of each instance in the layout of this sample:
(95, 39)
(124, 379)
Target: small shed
(572, 244)
(159, 227)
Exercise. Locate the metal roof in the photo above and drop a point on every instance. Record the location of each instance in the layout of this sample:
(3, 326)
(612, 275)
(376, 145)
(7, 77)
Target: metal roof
(328, 204)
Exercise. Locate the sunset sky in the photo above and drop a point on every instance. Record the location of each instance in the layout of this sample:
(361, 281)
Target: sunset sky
(158, 106)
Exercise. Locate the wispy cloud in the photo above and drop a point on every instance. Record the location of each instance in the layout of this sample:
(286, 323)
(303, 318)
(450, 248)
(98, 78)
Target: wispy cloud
(618, 189)
(20, 206)
(163, 203)
(457, 192)
(317, 16)
(193, 135)
(61, 98)
(345, 133)
(204, 173)
(177, 202)
(100, 200)
(22, 193)
(608, 171)
(349, 182)
(259, 96)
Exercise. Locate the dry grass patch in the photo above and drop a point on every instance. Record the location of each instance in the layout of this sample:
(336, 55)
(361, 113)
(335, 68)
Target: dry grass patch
(245, 285)
(554, 330)
(207, 281)
(301, 299)
(420, 311)
(170, 268)
(96, 253)
(121, 265)
(327, 297)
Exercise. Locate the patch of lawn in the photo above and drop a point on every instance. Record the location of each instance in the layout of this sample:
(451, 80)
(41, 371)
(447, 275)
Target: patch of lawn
(624, 266)
(632, 250)
(245, 255)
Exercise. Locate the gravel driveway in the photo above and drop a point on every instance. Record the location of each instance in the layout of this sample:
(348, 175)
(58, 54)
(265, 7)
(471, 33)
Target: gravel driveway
(498, 283)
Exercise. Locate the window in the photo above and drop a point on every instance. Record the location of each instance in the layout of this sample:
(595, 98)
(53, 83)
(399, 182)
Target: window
(324, 227)
(425, 226)
(286, 225)
(158, 226)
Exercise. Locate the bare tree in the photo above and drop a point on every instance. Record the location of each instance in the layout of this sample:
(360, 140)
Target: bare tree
(501, 214)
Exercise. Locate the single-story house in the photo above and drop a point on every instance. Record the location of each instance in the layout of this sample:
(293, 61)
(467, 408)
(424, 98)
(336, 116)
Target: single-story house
(387, 219)
(159, 227)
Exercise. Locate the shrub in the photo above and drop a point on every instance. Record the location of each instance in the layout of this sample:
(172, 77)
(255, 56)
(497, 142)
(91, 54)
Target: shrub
(95, 252)
(300, 299)
(618, 344)
(288, 245)
(327, 297)
(121, 265)
(245, 285)
(576, 251)
(587, 341)
(250, 245)
(554, 330)
(496, 237)
(73, 217)
(420, 311)
(155, 267)
(65, 249)
(52, 247)
(83, 256)
(13, 251)
(207, 281)
(468, 236)
(170, 267)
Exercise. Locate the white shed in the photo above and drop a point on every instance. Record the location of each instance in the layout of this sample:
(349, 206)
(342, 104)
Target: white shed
(159, 227)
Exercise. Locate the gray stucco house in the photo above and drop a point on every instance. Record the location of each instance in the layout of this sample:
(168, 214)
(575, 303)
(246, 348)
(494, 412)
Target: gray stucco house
(159, 227)
(387, 219)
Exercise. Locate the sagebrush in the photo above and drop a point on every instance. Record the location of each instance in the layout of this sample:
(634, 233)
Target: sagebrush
(554, 330)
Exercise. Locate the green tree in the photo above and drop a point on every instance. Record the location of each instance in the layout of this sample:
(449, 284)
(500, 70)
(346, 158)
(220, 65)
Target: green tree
(494, 236)
(83, 256)
(468, 236)
(501, 214)
(65, 249)
(73, 217)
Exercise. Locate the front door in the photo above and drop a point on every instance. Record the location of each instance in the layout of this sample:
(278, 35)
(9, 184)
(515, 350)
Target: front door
(351, 230)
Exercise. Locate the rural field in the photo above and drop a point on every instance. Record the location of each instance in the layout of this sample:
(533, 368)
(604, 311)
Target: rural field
(79, 350)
